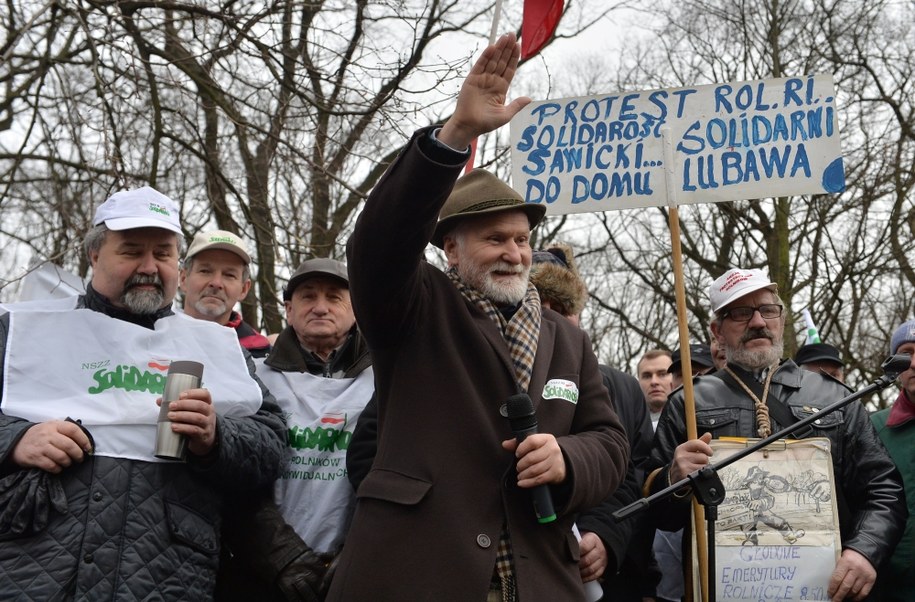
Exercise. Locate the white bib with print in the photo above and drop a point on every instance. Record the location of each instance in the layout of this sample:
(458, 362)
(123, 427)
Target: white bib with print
(63, 362)
(314, 493)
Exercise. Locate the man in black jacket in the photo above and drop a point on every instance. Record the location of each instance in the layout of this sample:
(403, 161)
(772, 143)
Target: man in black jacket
(321, 374)
(749, 325)
(89, 512)
(617, 553)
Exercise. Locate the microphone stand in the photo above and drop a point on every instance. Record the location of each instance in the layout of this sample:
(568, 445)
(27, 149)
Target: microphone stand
(707, 485)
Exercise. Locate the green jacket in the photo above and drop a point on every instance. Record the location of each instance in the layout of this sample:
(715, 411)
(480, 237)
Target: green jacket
(896, 580)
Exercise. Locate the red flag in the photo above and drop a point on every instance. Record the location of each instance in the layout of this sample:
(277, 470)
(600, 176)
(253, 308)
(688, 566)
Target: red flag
(473, 156)
(539, 23)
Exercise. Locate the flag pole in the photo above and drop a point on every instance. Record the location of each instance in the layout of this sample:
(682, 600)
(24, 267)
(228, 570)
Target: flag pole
(689, 403)
(493, 32)
(496, 17)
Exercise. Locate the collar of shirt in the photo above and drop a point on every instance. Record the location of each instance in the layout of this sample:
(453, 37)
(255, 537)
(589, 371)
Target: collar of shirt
(903, 410)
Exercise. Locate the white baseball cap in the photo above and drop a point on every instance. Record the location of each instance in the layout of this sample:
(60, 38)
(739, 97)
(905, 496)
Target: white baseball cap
(736, 283)
(219, 239)
(140, 208)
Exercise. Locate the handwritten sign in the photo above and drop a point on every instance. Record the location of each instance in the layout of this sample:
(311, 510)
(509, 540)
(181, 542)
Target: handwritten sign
(773, 573)
(777, 533)
(731, 141)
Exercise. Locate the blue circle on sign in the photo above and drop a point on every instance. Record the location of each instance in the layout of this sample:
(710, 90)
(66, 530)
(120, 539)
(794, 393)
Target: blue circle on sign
(834, 177)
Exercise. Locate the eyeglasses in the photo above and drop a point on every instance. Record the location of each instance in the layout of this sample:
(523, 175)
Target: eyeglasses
(768, 311)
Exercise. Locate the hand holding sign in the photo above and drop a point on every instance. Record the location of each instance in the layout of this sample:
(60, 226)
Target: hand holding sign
(481, 104)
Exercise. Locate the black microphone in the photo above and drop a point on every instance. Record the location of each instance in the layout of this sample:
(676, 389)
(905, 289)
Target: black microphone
(523, 422)
(895, 365)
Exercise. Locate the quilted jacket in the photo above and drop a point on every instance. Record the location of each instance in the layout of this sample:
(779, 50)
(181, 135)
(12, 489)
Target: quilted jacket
(138, 530)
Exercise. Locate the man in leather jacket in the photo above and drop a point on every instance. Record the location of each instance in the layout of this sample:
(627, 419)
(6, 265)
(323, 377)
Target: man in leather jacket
(749, 324)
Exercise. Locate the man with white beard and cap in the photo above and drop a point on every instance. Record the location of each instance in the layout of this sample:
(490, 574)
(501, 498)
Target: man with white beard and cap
(749, 322)
(88, 510)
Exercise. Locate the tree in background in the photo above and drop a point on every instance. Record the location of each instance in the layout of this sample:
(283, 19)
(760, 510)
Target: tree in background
(271, 120)
(274, 120)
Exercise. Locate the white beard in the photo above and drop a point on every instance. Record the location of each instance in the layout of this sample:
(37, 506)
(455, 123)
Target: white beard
(510, 292)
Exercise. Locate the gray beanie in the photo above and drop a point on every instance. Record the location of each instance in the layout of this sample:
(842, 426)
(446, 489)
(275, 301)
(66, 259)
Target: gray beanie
(904, 334)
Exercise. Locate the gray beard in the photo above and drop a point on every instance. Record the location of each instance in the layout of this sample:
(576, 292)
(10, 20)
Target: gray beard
(756, 360)
(143, 302)
(210, 311)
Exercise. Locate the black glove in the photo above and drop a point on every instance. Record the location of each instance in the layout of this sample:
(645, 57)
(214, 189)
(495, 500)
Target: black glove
(27, 497)
(26, 500)
(302, 580)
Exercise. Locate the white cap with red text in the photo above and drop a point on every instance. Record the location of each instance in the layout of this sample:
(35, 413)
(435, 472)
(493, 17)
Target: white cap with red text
(736, 283)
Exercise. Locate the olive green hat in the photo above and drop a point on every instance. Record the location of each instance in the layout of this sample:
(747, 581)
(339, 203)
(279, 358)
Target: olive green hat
(478, 193)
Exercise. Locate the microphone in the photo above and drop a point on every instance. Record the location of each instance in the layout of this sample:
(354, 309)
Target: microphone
(523, 422)
(895, 365)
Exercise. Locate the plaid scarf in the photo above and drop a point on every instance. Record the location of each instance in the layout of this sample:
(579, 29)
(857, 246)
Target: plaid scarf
(521, 334)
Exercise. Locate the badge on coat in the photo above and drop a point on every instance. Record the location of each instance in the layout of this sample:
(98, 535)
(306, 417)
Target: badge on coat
(558, 388)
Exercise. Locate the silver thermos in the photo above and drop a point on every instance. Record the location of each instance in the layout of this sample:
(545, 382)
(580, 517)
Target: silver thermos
(182, 375)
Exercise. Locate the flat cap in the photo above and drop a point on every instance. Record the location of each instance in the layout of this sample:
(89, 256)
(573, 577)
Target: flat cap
(321, 266)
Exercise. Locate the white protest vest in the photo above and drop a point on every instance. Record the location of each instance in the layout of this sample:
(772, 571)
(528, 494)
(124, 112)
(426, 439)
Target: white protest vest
(65, 362)
(314, 493)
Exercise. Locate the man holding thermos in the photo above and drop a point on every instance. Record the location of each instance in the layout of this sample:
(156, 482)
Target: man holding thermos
(88, 509)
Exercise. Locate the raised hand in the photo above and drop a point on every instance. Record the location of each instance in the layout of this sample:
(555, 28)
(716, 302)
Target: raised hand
(481, 104)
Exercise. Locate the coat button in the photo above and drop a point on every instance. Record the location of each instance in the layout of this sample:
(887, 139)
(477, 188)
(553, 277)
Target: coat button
(87, 558)
(503, 409)
(97, 496)
(483, 540)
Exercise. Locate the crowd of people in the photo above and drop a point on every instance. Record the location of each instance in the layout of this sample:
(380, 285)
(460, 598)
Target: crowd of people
(389, 443)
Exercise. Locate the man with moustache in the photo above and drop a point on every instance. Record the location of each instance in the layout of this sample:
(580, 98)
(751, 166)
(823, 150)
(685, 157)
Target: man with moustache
(749, 325)
(448, 491)
(215, 275)
(88, 511)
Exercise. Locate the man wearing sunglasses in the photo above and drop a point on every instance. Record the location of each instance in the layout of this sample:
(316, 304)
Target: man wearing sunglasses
(758, 393)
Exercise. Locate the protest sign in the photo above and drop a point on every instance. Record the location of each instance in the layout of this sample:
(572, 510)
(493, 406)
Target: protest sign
(730, 141)
(777, 533)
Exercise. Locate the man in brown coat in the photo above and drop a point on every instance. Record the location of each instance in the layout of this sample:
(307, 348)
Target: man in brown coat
(445, 512)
